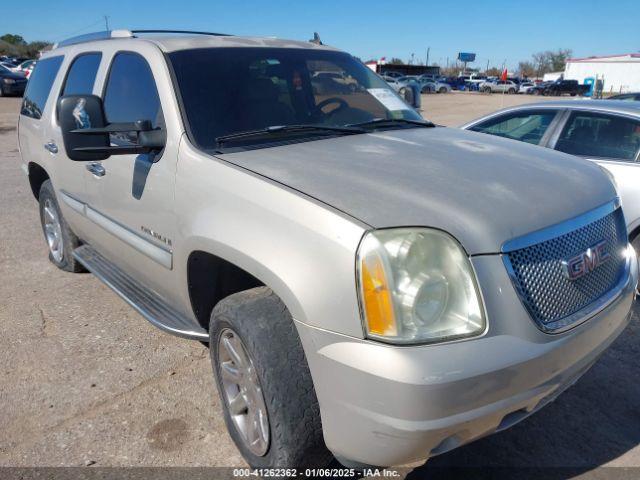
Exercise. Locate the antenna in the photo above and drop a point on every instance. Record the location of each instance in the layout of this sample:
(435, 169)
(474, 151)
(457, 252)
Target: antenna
(316, 39)
(106, 23)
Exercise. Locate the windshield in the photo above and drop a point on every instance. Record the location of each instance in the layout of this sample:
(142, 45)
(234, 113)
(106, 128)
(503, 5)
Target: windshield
(228, 91)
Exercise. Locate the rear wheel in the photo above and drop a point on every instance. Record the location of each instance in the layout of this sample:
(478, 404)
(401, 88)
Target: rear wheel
(511, 91)
(60, 239)
(442, 90)
(265, 386)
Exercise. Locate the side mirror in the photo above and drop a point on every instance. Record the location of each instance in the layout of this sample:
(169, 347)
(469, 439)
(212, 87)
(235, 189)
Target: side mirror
(80, 112)
(87, 136)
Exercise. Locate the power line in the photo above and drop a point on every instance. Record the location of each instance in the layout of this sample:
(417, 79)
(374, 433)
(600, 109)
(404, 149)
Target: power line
(67, 35)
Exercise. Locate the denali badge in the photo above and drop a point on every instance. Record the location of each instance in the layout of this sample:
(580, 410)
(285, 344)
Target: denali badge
(585, 262)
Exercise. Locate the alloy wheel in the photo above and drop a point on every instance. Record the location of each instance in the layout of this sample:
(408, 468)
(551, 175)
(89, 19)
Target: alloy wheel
(53, 230)
(243, 393)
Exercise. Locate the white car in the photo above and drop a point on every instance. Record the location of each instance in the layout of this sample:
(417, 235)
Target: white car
(606, 132)
(525, 87)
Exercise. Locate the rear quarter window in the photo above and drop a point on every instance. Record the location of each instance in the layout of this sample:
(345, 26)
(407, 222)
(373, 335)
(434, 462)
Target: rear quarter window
(39, 86)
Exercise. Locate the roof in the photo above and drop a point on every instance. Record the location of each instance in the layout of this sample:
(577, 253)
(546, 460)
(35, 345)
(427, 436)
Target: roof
(611, 106)
(604, 58)
(172, 41)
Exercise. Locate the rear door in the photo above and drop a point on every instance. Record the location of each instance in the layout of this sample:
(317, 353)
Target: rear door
(77, 78)
(612, 141)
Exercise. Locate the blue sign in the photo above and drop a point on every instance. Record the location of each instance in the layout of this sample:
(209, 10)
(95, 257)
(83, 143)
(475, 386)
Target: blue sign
(466, 57)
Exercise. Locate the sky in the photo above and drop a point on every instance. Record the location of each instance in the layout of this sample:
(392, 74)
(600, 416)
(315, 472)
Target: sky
(498, 31)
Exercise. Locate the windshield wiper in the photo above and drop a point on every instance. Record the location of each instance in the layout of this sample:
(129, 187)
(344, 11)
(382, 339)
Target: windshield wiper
(392, 121)
(277, 129)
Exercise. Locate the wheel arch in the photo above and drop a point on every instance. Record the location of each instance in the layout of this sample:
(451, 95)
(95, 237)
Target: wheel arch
(212, 278)
(37, 176)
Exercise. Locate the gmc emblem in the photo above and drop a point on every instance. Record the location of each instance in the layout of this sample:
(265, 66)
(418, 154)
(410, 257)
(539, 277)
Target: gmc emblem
(586, 262)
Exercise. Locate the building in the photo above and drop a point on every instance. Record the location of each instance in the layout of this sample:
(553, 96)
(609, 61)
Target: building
(552, 76)
(620, 73)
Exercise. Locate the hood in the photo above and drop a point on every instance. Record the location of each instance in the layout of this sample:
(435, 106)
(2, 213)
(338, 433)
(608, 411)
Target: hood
(482, 189)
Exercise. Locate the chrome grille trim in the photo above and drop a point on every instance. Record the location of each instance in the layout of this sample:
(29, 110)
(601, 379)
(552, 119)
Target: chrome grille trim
(553, 302)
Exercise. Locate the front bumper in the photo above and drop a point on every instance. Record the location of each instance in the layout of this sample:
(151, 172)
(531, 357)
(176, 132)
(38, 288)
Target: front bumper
(390, 405)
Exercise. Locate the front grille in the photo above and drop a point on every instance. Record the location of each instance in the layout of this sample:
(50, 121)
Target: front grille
(539, 277)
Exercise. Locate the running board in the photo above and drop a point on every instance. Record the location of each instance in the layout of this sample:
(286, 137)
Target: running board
(148, 303)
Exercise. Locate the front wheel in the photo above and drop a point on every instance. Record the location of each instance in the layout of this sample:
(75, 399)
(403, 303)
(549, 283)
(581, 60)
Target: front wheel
(270, 406)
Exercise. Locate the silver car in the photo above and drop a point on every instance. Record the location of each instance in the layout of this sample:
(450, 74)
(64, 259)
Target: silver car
(372, 287)
(498, 86)
(604, 131)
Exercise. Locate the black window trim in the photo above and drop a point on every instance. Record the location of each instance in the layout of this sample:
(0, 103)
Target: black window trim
(569, 113)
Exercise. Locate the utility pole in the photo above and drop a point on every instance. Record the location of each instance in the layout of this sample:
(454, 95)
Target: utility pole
(487, 69)
(106, 23)
(428, 49)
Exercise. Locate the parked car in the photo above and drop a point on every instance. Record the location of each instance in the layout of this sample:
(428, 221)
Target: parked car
(606, 132)
(499, 86)
(392, 74)
(629, 97)
(11, 83)
(26, 66)
(437, 87)
(371, 287)
(560, 87)
(525, 87)
(393, 83)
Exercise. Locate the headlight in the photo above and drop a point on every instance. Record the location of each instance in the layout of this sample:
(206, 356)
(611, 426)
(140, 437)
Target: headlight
(9, 80)
(416, 285)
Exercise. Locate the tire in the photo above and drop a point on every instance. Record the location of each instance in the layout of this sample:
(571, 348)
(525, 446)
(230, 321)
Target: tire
(511, 91)
(1, 92)
(61, 257)
(442, 90)
(536, 92)
(487, 90)
(268, 338)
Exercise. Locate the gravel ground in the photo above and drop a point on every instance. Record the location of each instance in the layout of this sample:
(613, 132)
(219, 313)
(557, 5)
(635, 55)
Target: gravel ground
(86, 380)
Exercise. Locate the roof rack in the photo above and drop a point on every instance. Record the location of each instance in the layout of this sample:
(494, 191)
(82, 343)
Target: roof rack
(109, 34)
(90, 37)
(184, 32)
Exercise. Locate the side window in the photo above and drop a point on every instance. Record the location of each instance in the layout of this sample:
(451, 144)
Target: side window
(131, 94)
(82, 74)
(529, 126)
(600, 135)
(39, 86)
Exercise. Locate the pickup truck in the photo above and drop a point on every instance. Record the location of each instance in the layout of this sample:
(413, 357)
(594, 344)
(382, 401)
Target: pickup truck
(372, 288)
(560, 87)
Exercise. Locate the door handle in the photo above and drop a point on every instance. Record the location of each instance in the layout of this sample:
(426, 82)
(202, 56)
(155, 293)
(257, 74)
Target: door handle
(96, 169)
(51, 146)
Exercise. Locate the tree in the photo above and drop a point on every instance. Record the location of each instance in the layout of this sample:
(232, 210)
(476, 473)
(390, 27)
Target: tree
(550, 61)
(16, 45)
(526, 69)
(396, 61)
(13, 39)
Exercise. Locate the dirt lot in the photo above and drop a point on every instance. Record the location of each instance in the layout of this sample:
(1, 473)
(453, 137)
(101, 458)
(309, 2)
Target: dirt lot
(85, 379)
